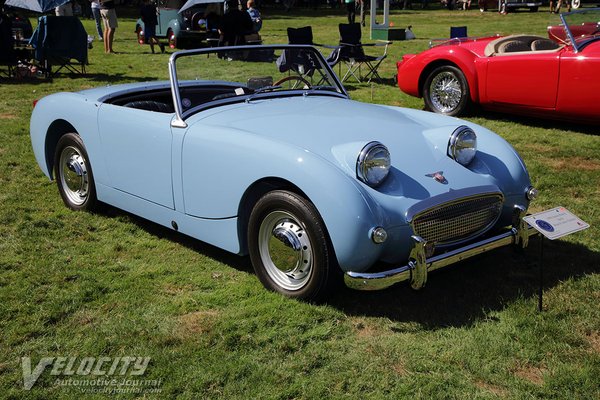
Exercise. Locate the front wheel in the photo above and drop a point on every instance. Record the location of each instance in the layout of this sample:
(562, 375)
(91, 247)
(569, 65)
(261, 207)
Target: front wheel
(446, 91)
(288, 246)
(73, 174)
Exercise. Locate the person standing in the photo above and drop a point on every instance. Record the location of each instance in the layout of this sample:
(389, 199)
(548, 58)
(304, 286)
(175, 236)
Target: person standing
(559, 5)
(235, 23)
(254, 16)
(351, 8)
(149, 17)
(95, 6)
(109, 17)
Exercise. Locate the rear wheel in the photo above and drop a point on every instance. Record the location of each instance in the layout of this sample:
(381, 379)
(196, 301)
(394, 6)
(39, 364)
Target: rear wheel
(73, 173)
(140, 35)
(446, 91)
(288, 246)
(172, 39)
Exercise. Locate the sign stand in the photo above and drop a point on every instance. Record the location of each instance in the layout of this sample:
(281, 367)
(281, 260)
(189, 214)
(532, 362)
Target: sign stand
(553, 224)
(541, 288)
(383, 31)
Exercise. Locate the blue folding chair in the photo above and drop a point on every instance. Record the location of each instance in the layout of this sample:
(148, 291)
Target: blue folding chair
(61, 42)
(458, 32)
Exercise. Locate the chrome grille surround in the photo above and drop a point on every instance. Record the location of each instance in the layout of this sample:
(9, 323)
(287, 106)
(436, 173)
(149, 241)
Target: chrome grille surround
(458, 220)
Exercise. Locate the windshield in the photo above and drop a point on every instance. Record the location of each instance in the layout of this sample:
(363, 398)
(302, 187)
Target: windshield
(209, 77)
(581, 27)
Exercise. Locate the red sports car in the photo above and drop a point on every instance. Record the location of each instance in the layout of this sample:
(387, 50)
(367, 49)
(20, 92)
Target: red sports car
(521, 74)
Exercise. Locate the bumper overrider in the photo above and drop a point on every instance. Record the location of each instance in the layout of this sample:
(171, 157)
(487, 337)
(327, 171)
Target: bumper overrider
(419, 265)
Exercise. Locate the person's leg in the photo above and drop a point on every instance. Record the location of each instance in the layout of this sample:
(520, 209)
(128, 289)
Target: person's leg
(96, 15)
(350, 9)
(106, 30)
(109, 40)
(112, 19)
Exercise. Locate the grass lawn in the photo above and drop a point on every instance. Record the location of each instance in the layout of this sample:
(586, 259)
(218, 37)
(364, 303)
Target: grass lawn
(110, 284)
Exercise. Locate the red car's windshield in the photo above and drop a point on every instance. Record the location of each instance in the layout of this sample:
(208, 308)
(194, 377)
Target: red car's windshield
(577, 28)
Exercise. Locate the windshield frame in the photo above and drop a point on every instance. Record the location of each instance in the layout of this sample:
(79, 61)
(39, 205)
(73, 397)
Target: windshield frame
(564, 17)
(181, 115)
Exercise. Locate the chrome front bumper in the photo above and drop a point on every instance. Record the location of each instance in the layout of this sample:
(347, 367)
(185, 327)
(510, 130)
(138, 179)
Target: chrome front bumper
(419, 265)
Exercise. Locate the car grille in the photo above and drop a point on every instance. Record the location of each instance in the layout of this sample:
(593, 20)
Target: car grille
(458, 220)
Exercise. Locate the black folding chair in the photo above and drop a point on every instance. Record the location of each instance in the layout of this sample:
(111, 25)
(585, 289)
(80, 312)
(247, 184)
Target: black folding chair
(61, 42)
(304, 35)
(353, 55)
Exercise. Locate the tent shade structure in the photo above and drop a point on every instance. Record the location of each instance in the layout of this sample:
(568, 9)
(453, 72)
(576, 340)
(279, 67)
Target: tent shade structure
(40, 6)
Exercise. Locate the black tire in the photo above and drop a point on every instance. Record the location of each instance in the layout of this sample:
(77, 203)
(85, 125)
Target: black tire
(446, 91)
(533, 9)
(289, 246)
(73, 174)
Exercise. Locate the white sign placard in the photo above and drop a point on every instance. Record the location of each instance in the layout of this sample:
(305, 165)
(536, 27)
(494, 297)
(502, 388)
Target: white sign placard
(556, 223)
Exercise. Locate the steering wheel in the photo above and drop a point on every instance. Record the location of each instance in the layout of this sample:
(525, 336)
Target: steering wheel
(293, 78)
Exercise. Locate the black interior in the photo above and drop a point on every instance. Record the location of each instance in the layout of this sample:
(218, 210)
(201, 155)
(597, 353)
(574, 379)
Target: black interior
(162, 100)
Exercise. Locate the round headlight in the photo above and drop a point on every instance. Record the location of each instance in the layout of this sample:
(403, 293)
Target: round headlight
(463, 145)
(373, 164)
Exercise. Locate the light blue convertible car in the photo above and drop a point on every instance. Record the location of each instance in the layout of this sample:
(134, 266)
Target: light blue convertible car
(259, 150)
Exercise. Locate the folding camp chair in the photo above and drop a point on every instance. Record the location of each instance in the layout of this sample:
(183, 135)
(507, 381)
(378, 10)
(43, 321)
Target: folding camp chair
(353, 55)
(304, 35)
(62, 42)
(458, 32)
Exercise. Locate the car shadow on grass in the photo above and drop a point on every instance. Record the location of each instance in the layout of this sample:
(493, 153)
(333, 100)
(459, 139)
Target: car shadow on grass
(465, 293)
(457, 296)
(117, 78)
(233, 260)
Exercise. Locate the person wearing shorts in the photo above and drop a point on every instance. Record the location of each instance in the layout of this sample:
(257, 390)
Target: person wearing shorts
(109, 18)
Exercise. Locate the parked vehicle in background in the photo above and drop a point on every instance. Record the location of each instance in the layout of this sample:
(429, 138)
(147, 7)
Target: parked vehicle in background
(518, 74)
(508, 5)
(183, 29)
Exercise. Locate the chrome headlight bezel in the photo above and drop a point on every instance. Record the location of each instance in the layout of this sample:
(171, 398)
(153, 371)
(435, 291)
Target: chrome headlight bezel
(462, 145)
(373, 164)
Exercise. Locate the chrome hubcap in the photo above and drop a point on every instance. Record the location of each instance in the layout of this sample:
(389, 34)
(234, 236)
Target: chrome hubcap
(445, 92)
(74, 175)
(285, 250)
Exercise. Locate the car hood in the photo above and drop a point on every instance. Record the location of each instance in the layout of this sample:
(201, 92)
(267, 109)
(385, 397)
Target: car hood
(337, 129)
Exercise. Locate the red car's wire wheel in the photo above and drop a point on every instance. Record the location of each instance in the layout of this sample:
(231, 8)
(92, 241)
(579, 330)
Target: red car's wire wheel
(446, 91)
